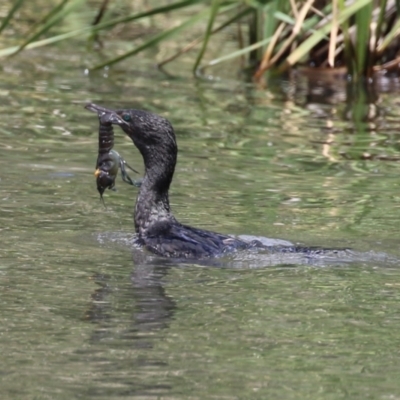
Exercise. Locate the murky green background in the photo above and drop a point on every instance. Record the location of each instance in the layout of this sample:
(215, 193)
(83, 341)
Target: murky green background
(81, 319)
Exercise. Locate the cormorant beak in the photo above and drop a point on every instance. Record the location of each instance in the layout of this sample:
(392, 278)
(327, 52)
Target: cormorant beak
(97, 109)
(106, 115)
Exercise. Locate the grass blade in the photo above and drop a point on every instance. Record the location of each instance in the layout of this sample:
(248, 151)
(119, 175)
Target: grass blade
(40, 43)
(195, 42)
(50, 15)
(103, 25)
(363, 22)
(101, 12)
(348, 44)
(287, 19)
(395, 31)
(334, 31)
(213, 13)
(305, 47)
(265, 62)
(10, 14)
(269, 23)
(144, 14)
(154, 40)
(52, 19)
(238, 53)
(381, 19)
(296, 29)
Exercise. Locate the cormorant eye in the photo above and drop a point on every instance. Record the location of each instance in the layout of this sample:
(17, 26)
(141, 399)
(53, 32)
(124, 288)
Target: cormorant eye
(126, 117)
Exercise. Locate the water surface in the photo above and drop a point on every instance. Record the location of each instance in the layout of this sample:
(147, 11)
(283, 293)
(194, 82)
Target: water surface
(84, 318)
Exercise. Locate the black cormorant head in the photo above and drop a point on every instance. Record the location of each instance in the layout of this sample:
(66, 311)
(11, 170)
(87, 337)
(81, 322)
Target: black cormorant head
(148, 131)
(152, 134)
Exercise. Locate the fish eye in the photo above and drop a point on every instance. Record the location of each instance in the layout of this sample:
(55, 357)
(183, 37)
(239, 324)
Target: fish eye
(126, 117)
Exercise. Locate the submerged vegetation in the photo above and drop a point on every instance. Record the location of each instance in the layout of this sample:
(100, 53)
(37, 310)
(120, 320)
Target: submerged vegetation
(359, 36)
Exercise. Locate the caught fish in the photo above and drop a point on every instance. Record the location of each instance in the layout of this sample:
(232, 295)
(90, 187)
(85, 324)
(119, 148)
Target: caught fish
(109, 160)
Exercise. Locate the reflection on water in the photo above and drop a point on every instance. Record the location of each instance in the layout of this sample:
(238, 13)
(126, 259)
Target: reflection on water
(332, 97)
(153, 308)
(84, 318)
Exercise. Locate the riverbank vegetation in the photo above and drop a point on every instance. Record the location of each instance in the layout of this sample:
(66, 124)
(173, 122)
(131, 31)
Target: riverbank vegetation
(359, 37)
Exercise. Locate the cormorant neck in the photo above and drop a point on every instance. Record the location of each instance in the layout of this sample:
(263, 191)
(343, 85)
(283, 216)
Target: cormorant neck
(152, 204)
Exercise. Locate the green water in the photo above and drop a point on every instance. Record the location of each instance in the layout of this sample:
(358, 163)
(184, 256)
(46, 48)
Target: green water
(81, 318)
